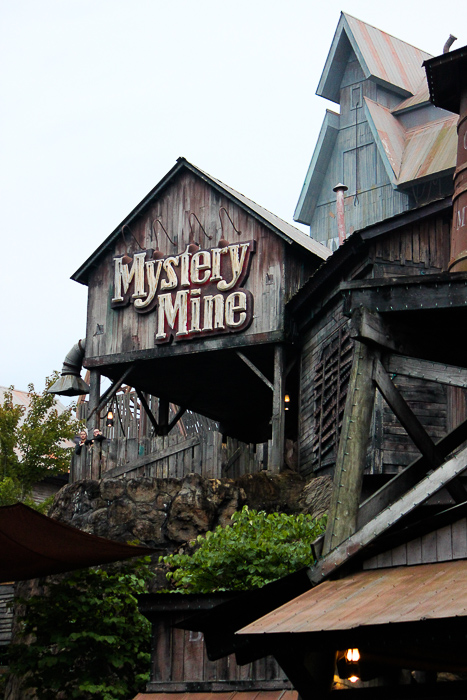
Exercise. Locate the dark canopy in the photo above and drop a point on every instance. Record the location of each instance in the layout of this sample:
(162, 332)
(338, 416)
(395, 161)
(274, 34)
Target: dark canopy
(33, 545)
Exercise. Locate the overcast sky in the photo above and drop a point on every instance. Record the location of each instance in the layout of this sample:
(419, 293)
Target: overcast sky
(100, 97)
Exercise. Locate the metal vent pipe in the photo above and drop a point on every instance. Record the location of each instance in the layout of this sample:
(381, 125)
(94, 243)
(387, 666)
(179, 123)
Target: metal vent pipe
(70, 383)
(339, 189)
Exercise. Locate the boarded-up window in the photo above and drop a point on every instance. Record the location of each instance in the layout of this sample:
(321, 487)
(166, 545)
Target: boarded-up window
(331, 380)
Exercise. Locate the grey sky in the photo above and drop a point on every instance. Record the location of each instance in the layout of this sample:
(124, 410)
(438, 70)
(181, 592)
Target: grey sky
(99, 98)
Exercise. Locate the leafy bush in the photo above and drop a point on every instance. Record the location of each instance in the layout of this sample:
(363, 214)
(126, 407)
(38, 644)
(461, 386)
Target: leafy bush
(256, 549)
(88, 640)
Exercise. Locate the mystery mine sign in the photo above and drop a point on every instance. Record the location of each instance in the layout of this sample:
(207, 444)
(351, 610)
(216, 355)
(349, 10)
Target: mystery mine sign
(193, 294)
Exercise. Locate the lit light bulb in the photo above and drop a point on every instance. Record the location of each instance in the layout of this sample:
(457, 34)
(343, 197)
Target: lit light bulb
(352, 655)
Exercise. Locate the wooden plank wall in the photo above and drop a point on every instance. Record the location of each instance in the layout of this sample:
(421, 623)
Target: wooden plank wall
(193, 446)
(125, 331)
(310, 459)
(6, 612)
(419, 248)
(445, 544)
(179, 658)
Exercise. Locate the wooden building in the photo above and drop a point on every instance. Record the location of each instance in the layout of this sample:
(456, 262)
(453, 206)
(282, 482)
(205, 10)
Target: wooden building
(385, 613)
(389, 145)
(187, 304)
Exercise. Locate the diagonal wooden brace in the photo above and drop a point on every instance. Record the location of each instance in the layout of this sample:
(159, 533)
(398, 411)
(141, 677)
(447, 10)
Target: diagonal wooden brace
(352, 450)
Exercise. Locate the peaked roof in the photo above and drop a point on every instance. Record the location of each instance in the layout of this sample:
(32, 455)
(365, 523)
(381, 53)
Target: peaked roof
(412, 154)
(287, 231)
(389, 61)
(416, 148)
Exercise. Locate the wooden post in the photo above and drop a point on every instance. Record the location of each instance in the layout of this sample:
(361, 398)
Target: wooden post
(278, 416)
(351, 453)
(92, 457)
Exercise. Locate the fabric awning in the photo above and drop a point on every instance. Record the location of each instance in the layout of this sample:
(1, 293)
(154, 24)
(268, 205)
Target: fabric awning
(34, 545)
(399, 595)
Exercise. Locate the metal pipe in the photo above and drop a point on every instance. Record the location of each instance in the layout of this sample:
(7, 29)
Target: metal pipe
(449, 43)
(339, 189)
(70, 383)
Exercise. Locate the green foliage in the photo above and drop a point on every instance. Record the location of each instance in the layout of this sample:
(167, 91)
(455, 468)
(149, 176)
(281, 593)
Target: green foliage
(33, 448)
(256, 549)
(89, 639)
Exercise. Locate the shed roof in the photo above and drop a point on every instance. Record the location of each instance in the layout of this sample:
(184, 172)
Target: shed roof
(378, 597)
(388, 60)
(285, 230)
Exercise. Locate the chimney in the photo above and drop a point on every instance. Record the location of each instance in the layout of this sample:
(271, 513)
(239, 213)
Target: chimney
(447, 80)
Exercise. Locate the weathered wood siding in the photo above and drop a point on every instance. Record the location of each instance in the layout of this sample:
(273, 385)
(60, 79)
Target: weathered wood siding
(355, 161)
(113, 332)
(179, 659)
(444, 544)
(6, 612)
(419, 248)
(193, 446)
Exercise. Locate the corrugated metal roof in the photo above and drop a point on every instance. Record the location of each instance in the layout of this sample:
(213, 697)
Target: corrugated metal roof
(429, 149)
(410, 154)
(389, 137)
(279, 224)
(421, 97)
(379, 597)
(388, 58)
(234, 695)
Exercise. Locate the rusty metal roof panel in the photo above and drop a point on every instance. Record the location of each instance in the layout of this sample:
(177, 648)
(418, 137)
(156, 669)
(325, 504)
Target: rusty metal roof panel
(378, 597)
(429, 149)
(421, 97)
(391, 60)
(389, 136)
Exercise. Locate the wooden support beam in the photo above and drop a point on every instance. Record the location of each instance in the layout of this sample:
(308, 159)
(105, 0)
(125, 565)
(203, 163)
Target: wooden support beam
(91, 458)
(425, 369)
(311, 673)
(278, 414)
(442, 291)
(176, 418)
(254, 369)
(351, 454)
(414, 428)
(410, 476)
(405, 415)
(370, 327)
(110, 392)
(148, 411)
(389, 517)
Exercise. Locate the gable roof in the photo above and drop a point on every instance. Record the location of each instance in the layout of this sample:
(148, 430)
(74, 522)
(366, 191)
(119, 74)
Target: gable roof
(408, 155)
(389, 61)
(287, 231)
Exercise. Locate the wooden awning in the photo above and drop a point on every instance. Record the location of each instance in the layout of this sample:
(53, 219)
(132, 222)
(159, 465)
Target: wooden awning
(33, 545)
